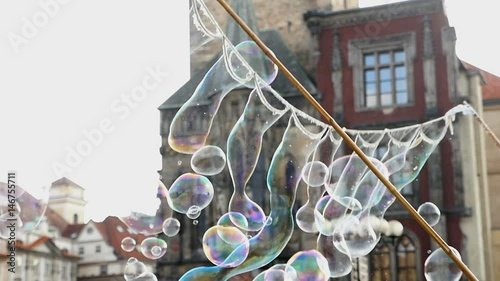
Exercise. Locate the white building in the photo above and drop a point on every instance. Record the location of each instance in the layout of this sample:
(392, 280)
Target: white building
(99, 245)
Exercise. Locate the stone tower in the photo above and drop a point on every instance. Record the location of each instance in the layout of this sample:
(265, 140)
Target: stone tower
(67, 199)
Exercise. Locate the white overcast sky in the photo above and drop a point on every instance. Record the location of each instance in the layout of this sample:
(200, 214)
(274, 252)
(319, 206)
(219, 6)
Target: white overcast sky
(75, 72)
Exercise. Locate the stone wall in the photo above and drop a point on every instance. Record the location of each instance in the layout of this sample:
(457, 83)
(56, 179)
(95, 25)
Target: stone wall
(283, 15)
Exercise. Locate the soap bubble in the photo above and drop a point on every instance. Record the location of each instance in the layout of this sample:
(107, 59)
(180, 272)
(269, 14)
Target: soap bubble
(208, 160)
(327, 214)
(225, 246)
(190, 190)
(193, 212)
(315, 173)
(430, 213)
(439, 266)
(128, 244)
(233, 219)
(355, 238)
(134, 269)
(171, 227)
(153, 248)
(310, 266)
(278, 272)
(339, 263)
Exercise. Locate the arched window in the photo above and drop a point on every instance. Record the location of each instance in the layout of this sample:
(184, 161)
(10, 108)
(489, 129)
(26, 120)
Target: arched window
(406, 259)
(395, 259)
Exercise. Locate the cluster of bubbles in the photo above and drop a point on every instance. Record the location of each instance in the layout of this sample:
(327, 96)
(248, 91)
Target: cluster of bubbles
(346, 202)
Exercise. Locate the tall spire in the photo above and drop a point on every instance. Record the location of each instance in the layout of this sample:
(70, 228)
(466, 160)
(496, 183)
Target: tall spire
(245, 10)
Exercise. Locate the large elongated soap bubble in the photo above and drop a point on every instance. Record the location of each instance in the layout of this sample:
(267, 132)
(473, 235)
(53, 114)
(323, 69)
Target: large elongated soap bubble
(243, 155)
(324, 153)
(208, 160)
(237, 67)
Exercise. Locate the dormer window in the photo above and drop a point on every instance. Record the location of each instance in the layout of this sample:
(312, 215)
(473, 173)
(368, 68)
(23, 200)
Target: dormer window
(383, 71)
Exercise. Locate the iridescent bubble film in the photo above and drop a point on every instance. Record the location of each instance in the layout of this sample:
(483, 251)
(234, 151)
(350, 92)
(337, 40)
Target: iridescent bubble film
(315, 173)
(233, 219)
(226, 246)
(355, 238)
(128, 244)
(171, 227)
(430, 213)
(190, 190)
(230, 71)
(208, 160)
(439, 266)
(310, 266)
(153, 248)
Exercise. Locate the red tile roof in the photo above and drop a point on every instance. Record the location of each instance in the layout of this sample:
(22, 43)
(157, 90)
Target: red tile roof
(109, 231)
(72, 229)
(491, 89)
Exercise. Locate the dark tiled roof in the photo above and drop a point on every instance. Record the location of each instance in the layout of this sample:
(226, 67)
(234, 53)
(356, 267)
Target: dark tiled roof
(273, 40)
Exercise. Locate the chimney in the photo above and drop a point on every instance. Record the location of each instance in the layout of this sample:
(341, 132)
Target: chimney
(338, 5)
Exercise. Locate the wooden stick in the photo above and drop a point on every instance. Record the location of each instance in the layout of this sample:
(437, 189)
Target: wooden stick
(467, 272)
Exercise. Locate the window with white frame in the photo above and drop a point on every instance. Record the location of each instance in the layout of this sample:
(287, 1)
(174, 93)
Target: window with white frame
(384, 80)
(383, 71)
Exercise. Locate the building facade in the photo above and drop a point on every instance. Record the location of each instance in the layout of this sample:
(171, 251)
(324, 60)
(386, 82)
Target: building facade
(394, 65)
(491, 111)
(379, 67)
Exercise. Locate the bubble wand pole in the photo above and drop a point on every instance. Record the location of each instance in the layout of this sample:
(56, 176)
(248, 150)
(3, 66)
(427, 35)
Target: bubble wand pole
(467, 272)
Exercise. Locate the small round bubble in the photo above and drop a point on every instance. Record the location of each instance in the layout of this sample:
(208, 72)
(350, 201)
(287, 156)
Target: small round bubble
(133, 269)
(153, 248)
(171, 227)
(233, 219)
(315, 173)
(439, 266)
(128, 244)
(195, 222)
(190, 190)
(209, 160)
(193, 212)
(430, 213)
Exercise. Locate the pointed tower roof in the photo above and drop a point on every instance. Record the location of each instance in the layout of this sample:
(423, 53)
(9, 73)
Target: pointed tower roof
(65, 181)
(246, 11)
(271, 38)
